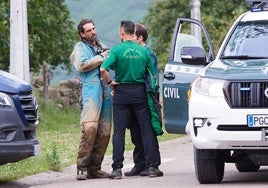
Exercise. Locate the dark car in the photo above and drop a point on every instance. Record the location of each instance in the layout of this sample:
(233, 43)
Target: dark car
(18, 120)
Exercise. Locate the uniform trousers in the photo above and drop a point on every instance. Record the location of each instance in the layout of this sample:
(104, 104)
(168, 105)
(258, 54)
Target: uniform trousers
(138, 152)
(128, 99)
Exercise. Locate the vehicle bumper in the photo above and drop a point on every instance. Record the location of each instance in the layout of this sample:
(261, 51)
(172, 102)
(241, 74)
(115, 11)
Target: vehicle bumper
(223, 127)
(16, 151)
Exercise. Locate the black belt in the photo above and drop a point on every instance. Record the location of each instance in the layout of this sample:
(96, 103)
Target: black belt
(131, 84)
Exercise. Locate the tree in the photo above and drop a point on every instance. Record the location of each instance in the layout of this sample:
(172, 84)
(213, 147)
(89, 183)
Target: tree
(161, 17)
(4, 28)
(51, 33)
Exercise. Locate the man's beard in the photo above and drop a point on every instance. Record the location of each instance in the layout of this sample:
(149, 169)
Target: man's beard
(92, 40)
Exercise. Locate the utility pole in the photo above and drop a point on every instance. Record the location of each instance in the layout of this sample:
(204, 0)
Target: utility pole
(19, 50)
(195, 13)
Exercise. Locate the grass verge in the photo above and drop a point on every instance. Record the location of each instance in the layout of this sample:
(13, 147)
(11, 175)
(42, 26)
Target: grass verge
(59, 135)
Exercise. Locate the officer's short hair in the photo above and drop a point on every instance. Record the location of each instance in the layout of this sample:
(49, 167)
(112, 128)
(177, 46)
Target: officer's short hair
(140, 30)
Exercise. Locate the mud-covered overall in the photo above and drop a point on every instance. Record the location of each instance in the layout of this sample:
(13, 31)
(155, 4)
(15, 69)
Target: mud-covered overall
(96, 113)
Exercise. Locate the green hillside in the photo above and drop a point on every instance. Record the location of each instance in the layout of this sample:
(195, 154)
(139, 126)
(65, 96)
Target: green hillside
(107, 15)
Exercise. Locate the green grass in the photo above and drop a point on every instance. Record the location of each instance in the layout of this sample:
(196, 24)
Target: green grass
(59, 135)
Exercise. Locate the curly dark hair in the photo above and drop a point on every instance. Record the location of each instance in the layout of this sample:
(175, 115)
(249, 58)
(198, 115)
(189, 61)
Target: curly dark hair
(82, 23)
(80, 29)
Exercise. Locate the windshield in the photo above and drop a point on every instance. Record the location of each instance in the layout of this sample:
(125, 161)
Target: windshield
(249, 39)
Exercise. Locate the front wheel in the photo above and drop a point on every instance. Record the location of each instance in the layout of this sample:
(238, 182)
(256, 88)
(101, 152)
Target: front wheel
(209, 166)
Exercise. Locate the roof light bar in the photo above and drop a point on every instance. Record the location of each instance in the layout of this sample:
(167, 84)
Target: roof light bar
(258, 5)
(253, 1)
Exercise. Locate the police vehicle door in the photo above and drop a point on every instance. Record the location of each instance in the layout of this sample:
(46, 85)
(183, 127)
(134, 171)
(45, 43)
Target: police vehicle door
(178, 76)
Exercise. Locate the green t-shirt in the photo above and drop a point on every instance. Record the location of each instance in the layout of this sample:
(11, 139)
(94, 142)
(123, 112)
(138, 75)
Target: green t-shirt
(129, 61)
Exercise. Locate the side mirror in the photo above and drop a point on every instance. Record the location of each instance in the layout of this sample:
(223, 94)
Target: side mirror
(193, 56)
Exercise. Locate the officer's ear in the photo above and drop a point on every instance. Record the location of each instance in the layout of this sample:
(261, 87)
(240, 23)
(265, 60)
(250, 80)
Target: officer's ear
(140, 38)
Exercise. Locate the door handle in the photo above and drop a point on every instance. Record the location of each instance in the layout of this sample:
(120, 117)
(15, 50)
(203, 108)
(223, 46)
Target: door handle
(169, 75)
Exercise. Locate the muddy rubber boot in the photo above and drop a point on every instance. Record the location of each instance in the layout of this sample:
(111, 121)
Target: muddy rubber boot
(81, 175)
(89, 133)
(98, 174)
(94, 169)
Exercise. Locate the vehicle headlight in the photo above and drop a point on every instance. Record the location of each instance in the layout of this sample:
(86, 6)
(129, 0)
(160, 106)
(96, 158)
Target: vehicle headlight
(5, 100)
(209, 87)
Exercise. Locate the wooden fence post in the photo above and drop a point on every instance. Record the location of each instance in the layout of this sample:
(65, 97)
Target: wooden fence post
(45, 79)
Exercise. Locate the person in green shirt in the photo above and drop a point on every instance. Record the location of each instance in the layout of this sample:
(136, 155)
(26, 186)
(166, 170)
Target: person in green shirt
(140, 167)
(130, 62)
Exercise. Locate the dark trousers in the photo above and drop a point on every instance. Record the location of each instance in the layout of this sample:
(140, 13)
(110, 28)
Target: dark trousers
(136, 138)
(135, 134)
(128, 99)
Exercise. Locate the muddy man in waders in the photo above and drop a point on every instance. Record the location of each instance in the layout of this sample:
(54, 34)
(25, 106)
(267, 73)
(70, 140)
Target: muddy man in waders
(96, 117)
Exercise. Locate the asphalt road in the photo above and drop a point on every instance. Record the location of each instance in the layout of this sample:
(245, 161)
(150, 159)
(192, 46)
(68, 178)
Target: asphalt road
(177, 165)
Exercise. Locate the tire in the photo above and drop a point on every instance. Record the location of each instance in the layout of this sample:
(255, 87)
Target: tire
(246, 165)
(209, 166)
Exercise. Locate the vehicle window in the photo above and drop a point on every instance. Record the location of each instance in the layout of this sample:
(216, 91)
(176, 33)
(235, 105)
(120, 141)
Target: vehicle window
(185, 40)
(190, 34)
(248, 39)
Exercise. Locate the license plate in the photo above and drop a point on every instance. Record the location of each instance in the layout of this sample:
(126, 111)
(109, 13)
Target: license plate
(258, 120)
(37, 149)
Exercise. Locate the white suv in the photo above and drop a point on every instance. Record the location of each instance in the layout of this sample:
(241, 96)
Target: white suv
(227, 113)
